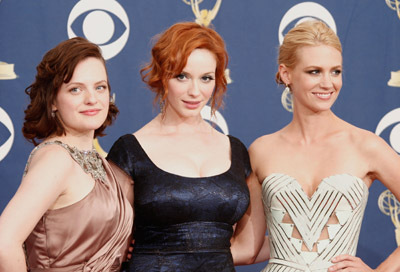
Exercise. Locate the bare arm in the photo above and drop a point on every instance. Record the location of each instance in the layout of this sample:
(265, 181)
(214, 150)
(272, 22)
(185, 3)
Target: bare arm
(36, 194)
(384, 166)
(387, 169)
(250, 230)
(265, 252)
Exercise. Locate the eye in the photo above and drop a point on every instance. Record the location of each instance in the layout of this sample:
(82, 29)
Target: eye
(207, 78)
(336, 72)
(101, 88)
(75, 90)
(313, 72)
(181, 77)
(104, 23)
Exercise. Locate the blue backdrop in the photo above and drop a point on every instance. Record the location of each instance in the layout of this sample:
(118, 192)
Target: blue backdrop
(370, 97)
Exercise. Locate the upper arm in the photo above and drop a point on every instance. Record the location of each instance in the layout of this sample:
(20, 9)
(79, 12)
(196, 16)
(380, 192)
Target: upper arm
(39, 189)
(253, 221)
(384, 164)
(258, 155)
(249, 232)
(124, 180)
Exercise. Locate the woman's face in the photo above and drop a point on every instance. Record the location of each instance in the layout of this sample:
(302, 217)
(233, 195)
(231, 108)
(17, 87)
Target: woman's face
(190, 91)
(316, 79)
(82, 103)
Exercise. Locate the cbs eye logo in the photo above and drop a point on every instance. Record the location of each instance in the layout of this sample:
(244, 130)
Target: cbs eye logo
(303, 12)
(390, 119)
(218, 119)
(6, 121)
(103, 22)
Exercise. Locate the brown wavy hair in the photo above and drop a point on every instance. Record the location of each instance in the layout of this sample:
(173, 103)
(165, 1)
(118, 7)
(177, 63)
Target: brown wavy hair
(57, 67)
(171, 51)
(306, 33)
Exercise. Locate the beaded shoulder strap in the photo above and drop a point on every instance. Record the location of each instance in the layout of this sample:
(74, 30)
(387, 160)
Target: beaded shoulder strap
(90, 161)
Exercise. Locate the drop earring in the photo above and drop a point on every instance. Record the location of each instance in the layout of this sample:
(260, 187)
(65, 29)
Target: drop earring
(287, 99)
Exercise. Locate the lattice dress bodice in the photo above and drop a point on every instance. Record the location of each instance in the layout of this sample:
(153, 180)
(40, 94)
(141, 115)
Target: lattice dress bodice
(307, 232)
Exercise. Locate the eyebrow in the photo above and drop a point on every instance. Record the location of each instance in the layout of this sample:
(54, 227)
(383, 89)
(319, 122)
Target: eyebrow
(80, 83)
(206, 73)
(319, 67)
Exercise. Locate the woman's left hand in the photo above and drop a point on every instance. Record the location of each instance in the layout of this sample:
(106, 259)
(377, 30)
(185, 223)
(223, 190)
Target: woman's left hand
(348, 263)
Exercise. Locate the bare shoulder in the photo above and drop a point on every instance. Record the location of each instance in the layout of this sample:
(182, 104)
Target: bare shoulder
(51, 159)
(53, 154)
(366, 140)
(265, 142)
(149, 129)
(146, 129)
(383, 161)
(218, 135)
(262, 149)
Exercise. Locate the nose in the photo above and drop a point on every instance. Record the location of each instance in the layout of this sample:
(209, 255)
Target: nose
(326, 81)
(90, 97)
(194, 89)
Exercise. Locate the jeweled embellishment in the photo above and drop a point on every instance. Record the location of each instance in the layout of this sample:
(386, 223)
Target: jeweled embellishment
(90, 161)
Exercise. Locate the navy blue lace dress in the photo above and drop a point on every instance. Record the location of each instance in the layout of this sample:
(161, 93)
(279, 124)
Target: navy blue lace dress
(183, 223)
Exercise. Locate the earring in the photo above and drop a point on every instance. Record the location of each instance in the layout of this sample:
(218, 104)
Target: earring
(162, 107)
(287, 99)
(112, 99)
(53, 114)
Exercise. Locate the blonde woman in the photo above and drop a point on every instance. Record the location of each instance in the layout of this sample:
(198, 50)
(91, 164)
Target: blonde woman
(315, 172)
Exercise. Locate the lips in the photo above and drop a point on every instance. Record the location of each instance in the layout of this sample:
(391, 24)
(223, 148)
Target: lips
(90, 112)
(324, 96)
(192, 104)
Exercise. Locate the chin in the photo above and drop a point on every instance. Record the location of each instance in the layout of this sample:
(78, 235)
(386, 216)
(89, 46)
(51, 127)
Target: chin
(189, 113)
(322, 109)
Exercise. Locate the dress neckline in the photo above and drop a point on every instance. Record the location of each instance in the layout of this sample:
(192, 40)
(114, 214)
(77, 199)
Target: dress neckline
(323, 180)
(89, 160)
(186, 177)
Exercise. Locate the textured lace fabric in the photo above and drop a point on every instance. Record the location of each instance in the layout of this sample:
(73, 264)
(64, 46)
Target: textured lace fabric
(307, 232)
(183, 224)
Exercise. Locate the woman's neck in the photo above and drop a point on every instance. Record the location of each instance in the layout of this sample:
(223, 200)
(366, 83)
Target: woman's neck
(311, 127)
(188, 125)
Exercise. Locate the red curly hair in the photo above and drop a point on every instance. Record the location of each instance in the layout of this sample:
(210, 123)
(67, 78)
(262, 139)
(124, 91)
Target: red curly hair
(170, 54)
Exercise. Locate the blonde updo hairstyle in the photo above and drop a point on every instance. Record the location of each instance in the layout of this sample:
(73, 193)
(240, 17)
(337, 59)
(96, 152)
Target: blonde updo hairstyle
(304, 34)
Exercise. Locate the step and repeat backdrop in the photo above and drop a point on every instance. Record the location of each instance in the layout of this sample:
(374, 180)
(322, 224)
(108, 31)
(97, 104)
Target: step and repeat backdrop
(253, 30)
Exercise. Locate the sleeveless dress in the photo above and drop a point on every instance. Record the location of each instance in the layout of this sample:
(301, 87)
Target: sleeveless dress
(307, 232)
(183, 223)
(88, 235)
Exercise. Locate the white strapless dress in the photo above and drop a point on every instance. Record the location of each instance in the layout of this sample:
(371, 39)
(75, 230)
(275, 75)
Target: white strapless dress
(306, 233)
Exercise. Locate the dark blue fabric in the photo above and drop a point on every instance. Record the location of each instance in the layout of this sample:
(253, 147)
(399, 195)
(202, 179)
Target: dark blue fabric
(183, 223)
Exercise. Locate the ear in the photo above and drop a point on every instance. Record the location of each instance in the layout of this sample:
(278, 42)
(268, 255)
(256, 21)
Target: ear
(53, 107)
(284, 73)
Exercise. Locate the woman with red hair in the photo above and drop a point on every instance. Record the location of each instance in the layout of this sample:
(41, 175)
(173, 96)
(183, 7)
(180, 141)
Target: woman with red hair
(189, 179)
